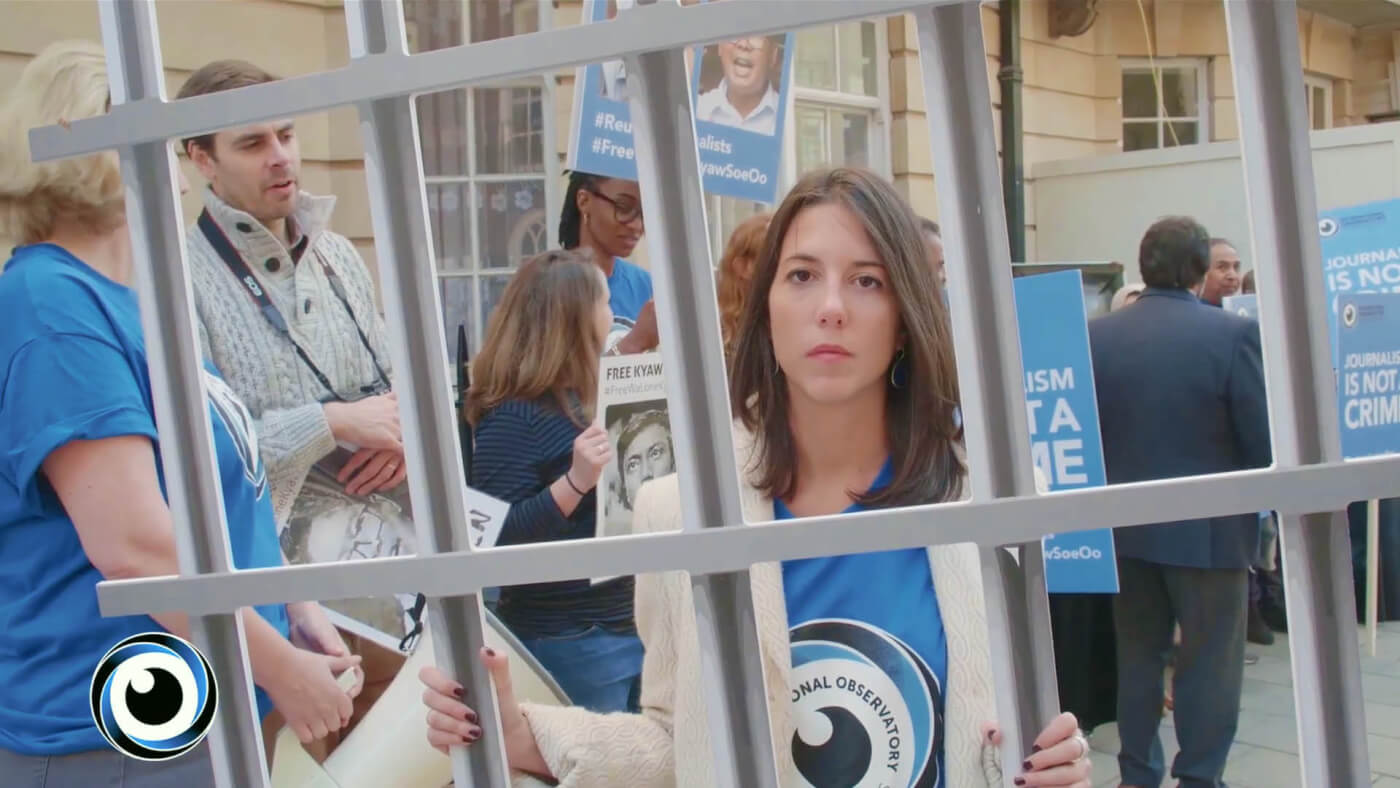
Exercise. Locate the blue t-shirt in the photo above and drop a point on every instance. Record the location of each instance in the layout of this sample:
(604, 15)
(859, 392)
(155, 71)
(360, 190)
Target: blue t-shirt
(869, 666)
(630, 288)
(73, 367)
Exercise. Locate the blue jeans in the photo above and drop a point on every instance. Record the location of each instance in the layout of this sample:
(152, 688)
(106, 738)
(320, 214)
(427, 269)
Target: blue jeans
(600, 670)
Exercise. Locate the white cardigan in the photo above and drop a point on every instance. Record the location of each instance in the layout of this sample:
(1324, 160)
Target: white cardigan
(668, 744)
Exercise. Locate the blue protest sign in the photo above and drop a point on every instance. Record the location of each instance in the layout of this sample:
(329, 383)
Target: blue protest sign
(1242, 305)
(1360, 252)
(738, 90)
(1063, 414)
(1368, 395)
(601, 142)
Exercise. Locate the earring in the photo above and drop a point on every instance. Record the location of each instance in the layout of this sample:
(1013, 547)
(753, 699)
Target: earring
(899, 371)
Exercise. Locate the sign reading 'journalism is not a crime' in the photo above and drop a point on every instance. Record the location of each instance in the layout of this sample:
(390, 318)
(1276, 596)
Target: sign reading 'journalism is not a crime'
(1368, 394)
(1360, 254)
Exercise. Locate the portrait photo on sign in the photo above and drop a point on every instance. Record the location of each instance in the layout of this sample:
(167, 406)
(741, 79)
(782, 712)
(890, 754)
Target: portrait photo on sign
(328, 524)
(740, 83)
(613, 84)
(640, 433)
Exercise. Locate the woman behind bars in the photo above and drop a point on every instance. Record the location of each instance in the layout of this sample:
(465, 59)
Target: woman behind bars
(531, 406)
(82, 495)
(877, 666)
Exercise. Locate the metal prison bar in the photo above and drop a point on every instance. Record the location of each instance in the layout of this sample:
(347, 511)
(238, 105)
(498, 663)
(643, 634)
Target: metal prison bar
(1307, 477)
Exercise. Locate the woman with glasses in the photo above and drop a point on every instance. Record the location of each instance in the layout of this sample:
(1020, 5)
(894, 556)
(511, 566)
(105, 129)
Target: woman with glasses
(603, 216)
(540, 448)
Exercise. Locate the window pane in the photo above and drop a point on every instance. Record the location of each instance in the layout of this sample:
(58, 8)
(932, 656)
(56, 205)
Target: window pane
(449, 219)
(442, 131)
(457, 310)
(1317, 106)
(858, 58)
(855, 139)
(512, 223)
(501, 18)
(492, 288)
(816, 58)
(1179, 93)
(432, 24)
(1139, 95)
(509, 130)
(811, 139)
(1181, 133)
(1139, 136)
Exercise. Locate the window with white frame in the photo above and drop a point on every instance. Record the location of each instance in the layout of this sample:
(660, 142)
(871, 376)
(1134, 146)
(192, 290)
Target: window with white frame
(1165, 103)
(1319, 93)
(488, 162)
(838, 112)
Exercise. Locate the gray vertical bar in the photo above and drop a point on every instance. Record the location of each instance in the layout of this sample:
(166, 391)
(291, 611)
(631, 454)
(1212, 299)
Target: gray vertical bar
(989, 360)
(668, 165)
(408, 276)
(1277, 153)
(177, 387)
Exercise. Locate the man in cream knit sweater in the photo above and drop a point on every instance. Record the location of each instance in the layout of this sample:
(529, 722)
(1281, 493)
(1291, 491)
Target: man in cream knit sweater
(286, 311)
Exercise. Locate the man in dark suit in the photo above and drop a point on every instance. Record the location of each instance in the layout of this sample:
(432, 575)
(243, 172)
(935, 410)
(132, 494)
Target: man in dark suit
(1181, 393)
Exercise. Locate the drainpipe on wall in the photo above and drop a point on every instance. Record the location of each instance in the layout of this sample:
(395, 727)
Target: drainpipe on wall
(1013, 185)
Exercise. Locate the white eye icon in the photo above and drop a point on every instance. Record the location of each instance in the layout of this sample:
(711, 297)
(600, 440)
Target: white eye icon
(154, 697)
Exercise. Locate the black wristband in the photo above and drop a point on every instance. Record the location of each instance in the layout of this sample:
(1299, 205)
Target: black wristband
(570, 480)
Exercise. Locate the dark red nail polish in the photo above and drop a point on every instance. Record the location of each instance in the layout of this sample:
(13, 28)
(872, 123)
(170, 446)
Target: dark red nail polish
(472, 718)
(991, 734)
(460, 692)
(1019, 781)
(490, 652)
(1035, 748)
(474, 735)
(1025, 766)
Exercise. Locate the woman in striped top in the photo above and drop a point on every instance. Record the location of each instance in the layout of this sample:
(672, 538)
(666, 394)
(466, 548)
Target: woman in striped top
(538, 446)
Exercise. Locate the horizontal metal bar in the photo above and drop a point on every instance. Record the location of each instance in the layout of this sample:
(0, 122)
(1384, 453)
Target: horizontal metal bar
(1319, 488)
(650, 28)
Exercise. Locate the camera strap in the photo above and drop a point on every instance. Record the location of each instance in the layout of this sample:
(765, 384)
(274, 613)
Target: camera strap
(217, 239)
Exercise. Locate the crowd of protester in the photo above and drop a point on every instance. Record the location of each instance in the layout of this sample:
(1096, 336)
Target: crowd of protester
(837, 341)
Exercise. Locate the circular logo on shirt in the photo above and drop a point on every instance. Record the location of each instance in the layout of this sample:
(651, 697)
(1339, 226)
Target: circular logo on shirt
(241, 429)
(154, 696)
(865, 707)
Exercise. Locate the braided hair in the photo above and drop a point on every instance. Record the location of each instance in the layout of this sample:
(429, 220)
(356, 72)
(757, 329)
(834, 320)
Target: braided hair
(570, 219)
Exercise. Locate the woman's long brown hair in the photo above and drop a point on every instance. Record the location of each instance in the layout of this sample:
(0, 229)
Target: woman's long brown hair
(543, 338)
(735, 270)
(919, 419)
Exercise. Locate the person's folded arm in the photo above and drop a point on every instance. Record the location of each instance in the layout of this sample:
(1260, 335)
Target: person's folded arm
(110, 490)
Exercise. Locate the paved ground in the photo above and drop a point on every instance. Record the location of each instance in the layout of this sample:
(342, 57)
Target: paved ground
(1265, 754)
